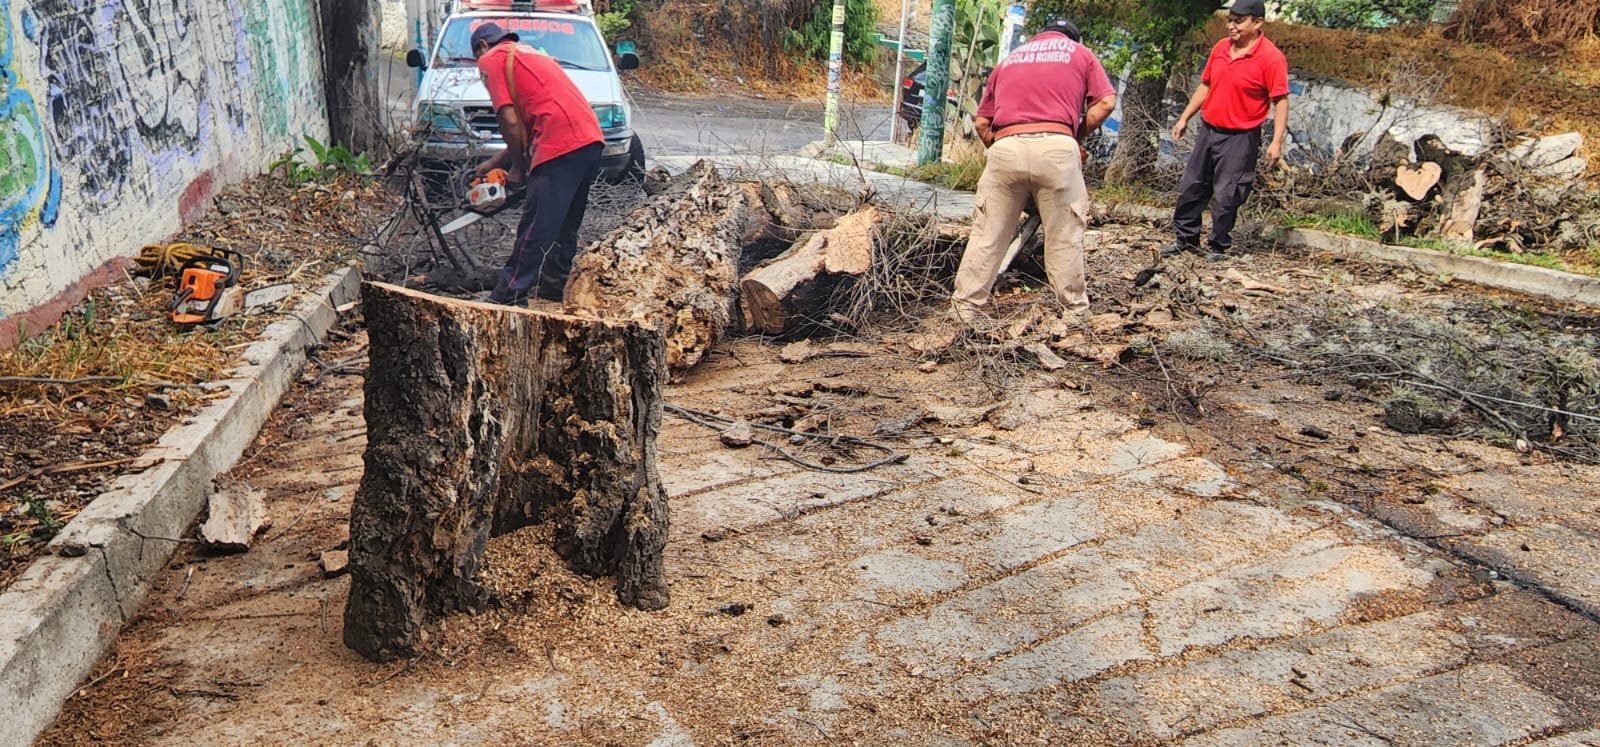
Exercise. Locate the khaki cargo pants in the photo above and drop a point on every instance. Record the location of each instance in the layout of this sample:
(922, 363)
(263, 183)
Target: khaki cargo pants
(1047, 167)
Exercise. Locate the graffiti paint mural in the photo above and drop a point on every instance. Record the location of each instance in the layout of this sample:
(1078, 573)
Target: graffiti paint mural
(158, 54)
(30, 186)
(88, 109)
(279, 59)
(121, 119)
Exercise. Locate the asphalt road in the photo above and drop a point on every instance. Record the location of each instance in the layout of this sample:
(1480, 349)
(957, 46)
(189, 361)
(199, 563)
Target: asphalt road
(697, 125)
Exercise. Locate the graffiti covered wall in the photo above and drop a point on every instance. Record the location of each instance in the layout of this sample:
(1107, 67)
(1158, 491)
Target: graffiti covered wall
(121, 119)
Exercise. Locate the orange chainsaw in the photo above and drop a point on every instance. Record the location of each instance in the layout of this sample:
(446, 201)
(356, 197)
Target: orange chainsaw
(208, 289)
(485, 197)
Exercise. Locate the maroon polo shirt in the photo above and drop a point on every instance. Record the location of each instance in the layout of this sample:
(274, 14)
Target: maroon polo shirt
(1045, 80)
(1243, 89)
(558, 117)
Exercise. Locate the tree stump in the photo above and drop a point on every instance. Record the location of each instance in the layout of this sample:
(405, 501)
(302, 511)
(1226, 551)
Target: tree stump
(484, 419)
(780, 294)
(672, 264)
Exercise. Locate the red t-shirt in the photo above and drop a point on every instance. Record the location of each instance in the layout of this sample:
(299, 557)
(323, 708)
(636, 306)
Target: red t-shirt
(558, 117)
(1242, 89)
(1044, 80)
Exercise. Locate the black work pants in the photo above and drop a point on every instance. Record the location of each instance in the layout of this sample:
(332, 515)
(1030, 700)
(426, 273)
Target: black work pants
(1222, 169)
(547, 235)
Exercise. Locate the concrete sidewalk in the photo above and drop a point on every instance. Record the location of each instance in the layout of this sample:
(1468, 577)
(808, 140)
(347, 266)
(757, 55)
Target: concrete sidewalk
(66, 609)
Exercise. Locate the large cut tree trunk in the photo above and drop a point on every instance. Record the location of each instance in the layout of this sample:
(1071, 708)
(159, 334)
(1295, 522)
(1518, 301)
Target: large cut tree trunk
(356, 112)
(780, 295)
(672, 264)
(482, 419)
(1143, 118)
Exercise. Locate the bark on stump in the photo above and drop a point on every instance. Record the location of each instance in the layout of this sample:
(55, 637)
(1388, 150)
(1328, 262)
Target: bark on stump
(484, 419)
(672, 264)
(778, 296)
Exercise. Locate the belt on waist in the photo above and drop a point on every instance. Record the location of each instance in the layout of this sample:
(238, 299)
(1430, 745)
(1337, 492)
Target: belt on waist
(1034, 128)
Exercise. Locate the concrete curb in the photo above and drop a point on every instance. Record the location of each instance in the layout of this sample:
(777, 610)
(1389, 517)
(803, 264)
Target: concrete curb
(1534, 281)
(59, 617)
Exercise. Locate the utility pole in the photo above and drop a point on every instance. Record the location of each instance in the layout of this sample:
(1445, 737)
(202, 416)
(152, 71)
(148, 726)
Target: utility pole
(936, 81)
(899, 88)
(830, 114)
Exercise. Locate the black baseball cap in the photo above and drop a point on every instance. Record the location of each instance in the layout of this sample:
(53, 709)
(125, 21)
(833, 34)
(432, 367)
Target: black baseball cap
(1064, 26)
(491, 34)
(1257, 8)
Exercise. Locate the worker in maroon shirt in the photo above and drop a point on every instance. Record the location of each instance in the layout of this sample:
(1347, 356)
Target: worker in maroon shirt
(1244, 74)
(553, 141)
(1032, 117)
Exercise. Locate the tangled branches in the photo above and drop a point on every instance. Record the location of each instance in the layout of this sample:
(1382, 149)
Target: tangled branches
(1504, 376)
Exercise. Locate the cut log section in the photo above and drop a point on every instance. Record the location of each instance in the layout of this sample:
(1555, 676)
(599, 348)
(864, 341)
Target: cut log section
(483, 419)
(1457, 227)
(672, 265)
(1417, 180)
(778, 295)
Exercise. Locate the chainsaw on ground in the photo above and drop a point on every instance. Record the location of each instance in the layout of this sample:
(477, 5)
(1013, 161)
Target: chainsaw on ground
(485, 197)
(208, 289)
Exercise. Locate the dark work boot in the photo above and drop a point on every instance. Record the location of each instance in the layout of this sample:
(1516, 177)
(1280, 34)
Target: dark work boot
(1178, 248)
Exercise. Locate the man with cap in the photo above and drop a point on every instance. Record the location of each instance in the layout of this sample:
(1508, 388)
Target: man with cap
(1031, 118)
(1243, 76)
(553, 141)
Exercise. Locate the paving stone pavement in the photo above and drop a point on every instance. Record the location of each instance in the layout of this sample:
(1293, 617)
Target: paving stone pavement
(1127, 591)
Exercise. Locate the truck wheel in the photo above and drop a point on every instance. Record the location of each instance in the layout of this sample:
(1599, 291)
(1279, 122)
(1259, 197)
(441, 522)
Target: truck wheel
(635, 169)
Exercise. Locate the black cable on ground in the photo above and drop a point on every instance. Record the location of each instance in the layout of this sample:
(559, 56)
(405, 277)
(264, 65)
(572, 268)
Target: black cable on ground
(719, 424)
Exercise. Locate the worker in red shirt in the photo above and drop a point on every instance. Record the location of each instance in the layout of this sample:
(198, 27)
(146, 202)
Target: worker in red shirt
(1031, 118)
(1244, 74)
(553, 141)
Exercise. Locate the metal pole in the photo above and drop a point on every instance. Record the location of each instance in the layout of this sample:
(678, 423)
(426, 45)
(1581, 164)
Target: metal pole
(968, 68)
(899, 59)
(830, 114)
(936, 82)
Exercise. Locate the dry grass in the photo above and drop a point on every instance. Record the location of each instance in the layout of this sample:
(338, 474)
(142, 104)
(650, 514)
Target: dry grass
(81, 399)
(961, 166)
(745, 58)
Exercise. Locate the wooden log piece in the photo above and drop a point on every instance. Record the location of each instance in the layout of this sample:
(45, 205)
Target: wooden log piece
(778, 294)
(482, 419)
(1417, 180)
(672, 265)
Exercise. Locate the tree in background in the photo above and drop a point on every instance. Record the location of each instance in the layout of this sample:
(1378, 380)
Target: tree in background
(350, 73)
(1359, 14)
(860, 24)
(974, 45)
(1146, 41)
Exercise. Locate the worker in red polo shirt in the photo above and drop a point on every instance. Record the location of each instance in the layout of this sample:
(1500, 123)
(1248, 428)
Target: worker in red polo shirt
(1032, 117)
(1244, 77)
(553, 141)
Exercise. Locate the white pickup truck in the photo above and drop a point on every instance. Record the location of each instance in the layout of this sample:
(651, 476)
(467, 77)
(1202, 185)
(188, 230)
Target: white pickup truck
(453, 110)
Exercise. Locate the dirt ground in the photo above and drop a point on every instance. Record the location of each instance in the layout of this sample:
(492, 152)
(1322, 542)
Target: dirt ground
(91, 393)
(1118, 550)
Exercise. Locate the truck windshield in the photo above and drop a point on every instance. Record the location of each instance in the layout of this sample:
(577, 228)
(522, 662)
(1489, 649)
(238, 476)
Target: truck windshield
(573, 42)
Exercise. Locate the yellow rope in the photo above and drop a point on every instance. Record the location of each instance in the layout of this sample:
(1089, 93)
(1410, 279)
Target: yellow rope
(158, 261)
